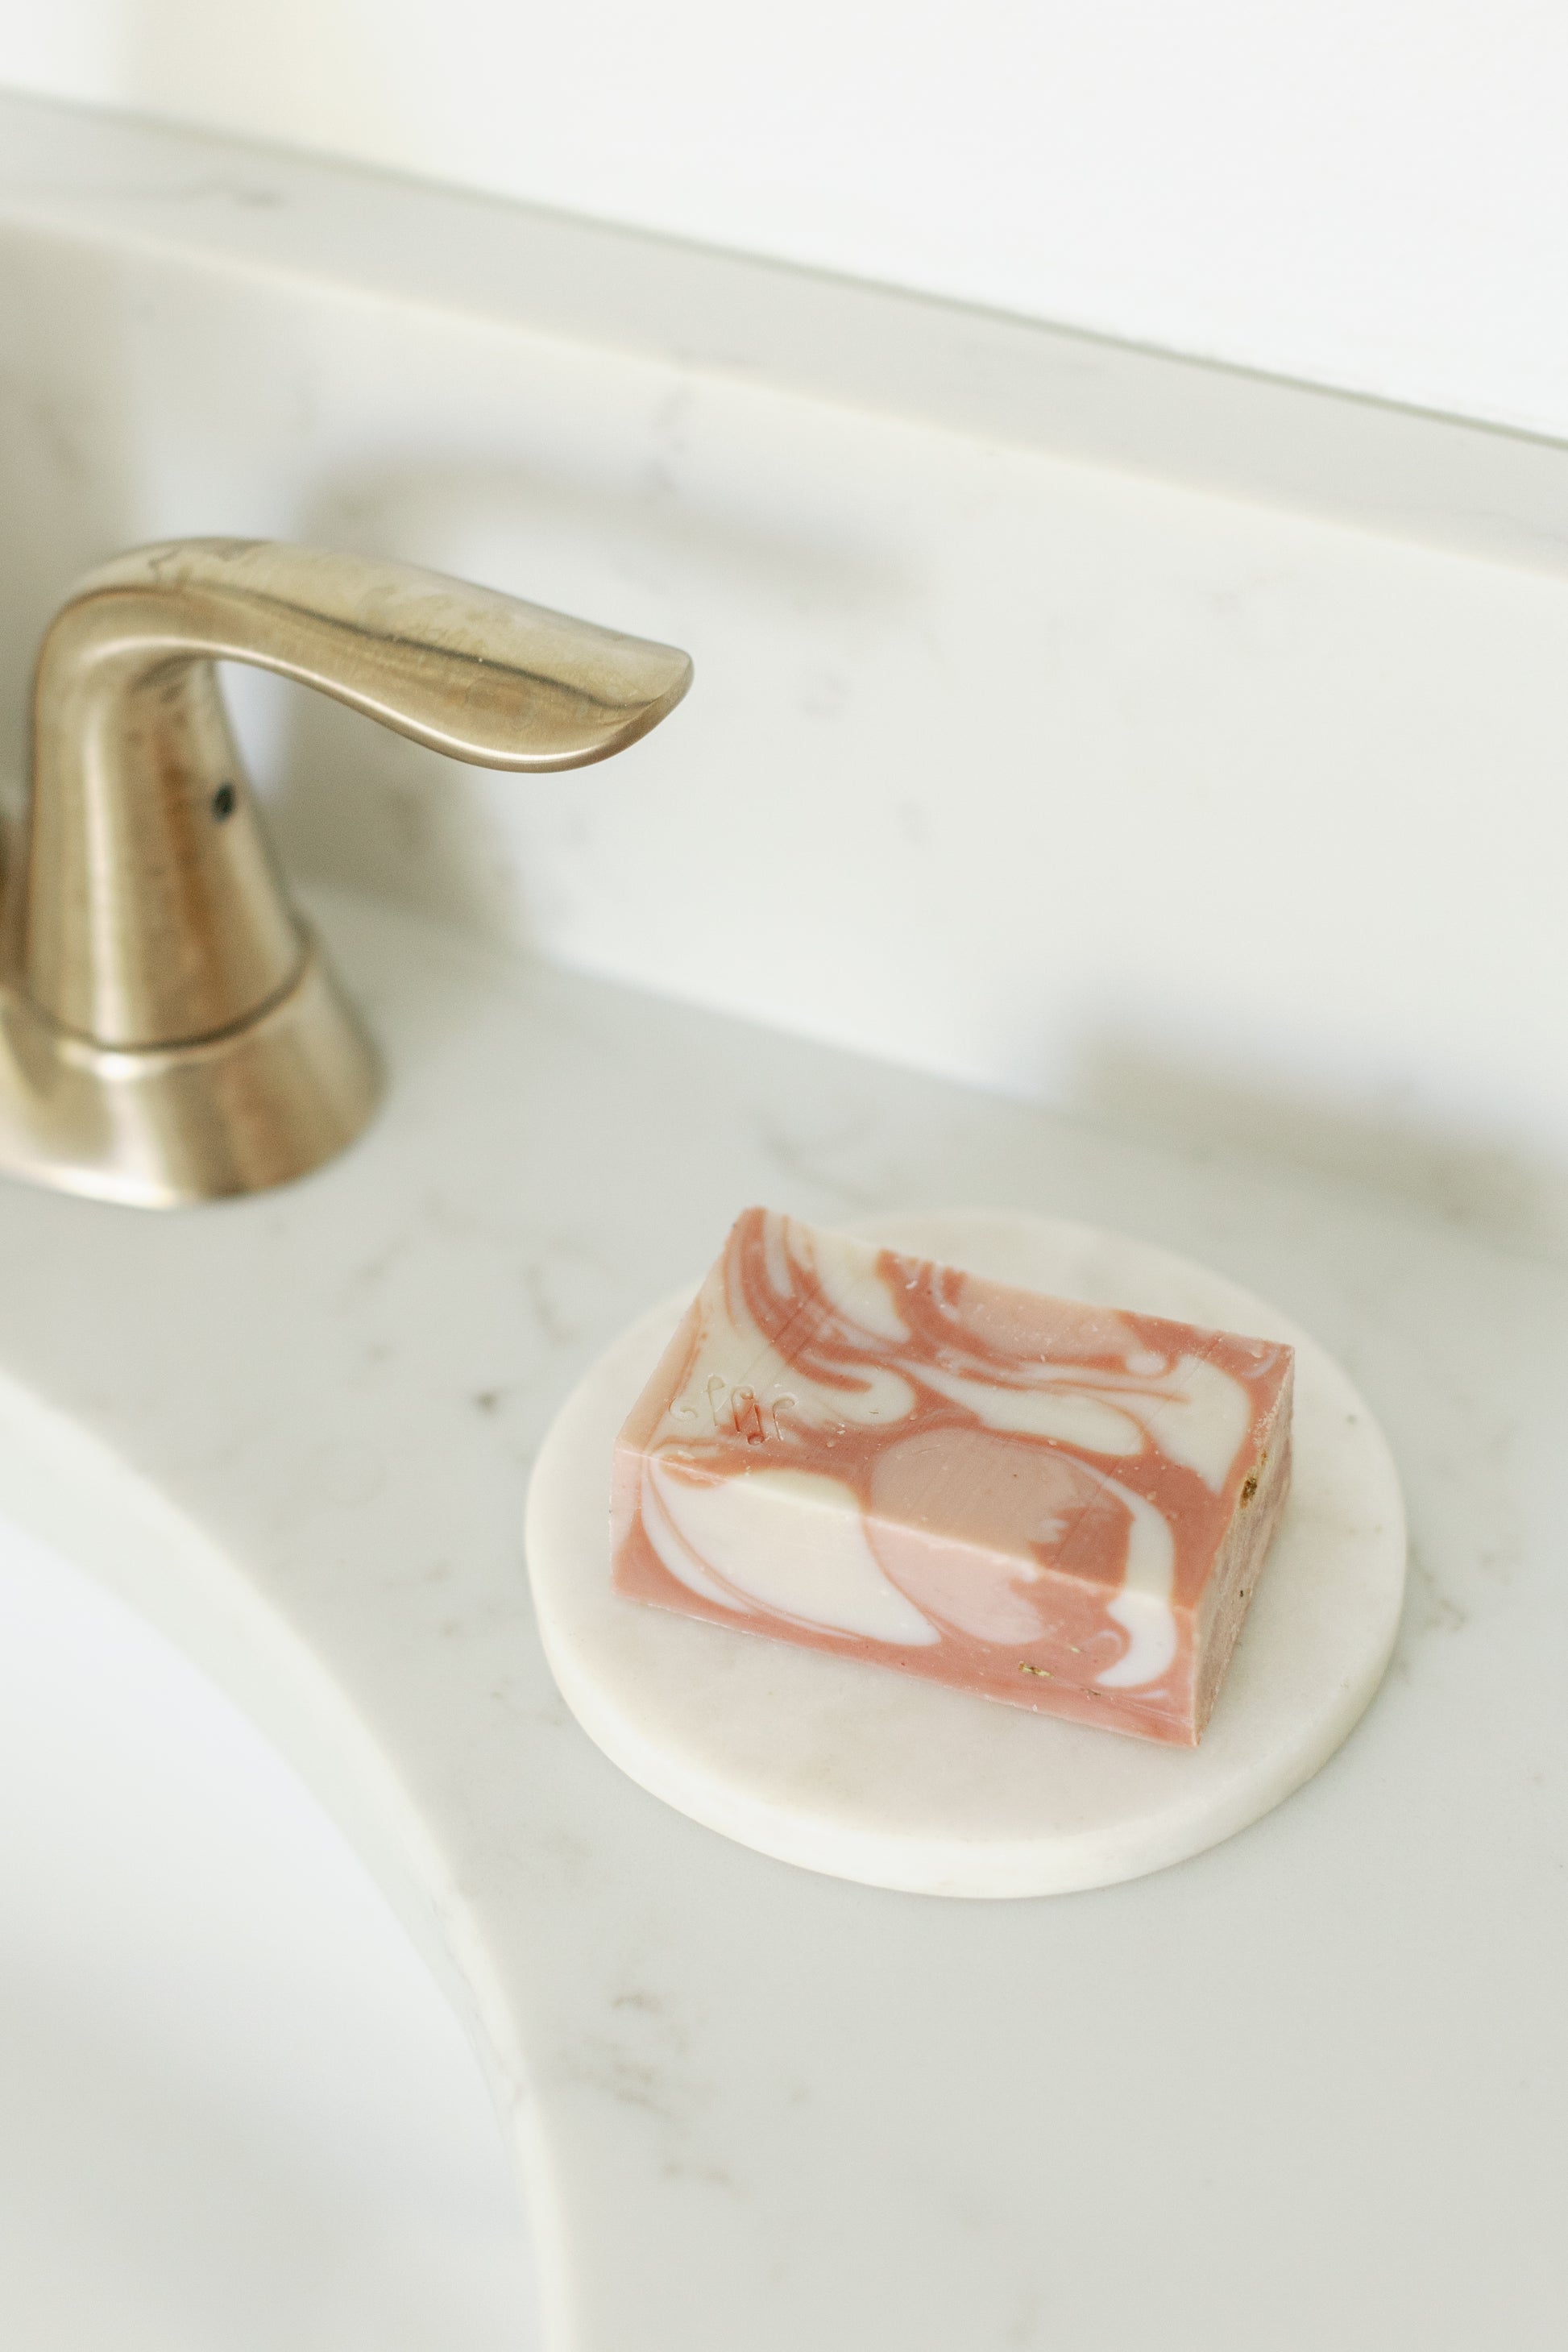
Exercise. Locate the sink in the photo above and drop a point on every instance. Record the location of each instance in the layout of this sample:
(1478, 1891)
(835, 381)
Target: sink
(235, 2107)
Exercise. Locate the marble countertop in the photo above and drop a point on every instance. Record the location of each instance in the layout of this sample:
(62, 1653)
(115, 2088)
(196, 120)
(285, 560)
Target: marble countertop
(1306, 2089)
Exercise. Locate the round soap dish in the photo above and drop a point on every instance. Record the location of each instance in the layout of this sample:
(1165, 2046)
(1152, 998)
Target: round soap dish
(845, 1768)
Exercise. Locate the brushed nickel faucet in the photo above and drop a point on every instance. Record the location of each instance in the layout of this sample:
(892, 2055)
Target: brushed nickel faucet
(169, 1029)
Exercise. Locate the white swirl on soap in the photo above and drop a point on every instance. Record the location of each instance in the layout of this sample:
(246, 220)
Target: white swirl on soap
(1142, 1607)
(804, 1556)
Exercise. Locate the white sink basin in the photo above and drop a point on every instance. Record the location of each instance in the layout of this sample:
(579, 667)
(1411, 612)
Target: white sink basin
(234, 2108)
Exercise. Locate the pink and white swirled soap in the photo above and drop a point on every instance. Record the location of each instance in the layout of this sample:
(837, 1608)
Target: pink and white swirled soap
(1064, 1506)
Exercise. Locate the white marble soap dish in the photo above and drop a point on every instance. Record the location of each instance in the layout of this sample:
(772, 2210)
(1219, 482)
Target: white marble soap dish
(846, 1768)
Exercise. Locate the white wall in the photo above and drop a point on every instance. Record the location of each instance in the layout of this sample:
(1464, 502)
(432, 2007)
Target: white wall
(1375, 198)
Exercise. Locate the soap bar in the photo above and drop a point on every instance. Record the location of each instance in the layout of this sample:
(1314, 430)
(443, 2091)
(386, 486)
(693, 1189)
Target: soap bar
(1063, 1507)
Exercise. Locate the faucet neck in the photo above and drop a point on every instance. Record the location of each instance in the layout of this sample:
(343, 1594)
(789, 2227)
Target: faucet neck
(148, 910)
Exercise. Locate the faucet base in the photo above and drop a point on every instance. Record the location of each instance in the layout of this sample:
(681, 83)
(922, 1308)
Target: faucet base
(165, 1126)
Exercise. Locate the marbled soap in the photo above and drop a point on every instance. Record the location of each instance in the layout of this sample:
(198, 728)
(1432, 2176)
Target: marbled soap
(1063, 1507)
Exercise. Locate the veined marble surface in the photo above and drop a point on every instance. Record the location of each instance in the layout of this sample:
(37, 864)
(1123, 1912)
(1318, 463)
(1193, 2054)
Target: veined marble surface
(1304, 2089)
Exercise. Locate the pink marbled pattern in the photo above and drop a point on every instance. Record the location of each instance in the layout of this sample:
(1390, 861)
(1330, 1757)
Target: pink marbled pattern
(1063, 1507)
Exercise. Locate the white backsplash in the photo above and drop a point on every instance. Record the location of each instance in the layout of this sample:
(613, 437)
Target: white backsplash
(1145, 798)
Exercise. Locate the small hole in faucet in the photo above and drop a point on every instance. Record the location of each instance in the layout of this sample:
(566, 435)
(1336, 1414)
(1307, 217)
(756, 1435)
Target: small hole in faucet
(225, 801)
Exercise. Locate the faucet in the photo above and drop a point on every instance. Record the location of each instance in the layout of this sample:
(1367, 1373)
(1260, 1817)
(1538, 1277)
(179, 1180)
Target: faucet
(170, 1031)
